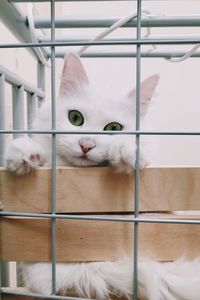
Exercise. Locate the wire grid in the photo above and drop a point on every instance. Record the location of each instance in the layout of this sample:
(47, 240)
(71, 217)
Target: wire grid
(53, 216)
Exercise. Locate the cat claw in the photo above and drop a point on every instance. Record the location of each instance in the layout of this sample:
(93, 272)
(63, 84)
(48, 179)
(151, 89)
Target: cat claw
(23, 155)
(35, 157)
(24, 165)
(35, 161)
(124, 161)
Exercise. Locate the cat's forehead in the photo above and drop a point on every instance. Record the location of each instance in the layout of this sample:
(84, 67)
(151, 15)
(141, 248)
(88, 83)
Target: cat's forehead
(99, 107)
(97, 99)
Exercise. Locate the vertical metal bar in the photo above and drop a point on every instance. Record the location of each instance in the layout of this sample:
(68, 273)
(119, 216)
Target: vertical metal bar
(2, 117)
(41, 75)
(18, 115)
(40, 79)
(137, 163)
(18, 108)
(5, 274)
(4, 267)
(32, 110)
(53, 109)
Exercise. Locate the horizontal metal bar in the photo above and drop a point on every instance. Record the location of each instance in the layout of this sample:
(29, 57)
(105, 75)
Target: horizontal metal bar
(137, 132)
(147, 21)
(21, 1)
(104, 43)
(59, 39)
(66, 38)
(14, 79)
(15, 21)
(147, 54)
(41, 296)
(100, 218)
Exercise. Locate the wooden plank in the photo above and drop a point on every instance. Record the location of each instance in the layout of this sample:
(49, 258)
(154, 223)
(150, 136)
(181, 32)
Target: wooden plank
(101, 190)
(23, 239)
(30, 240)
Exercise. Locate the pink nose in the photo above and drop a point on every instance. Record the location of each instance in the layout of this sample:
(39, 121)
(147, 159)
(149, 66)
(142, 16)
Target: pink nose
(86, 145)
(85, 149)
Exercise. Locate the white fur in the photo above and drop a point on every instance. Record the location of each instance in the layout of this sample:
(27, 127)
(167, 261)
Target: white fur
(24, 154)
(157, 281)
(99, 105)
(179, 280)
(98, 108)
(92, 280)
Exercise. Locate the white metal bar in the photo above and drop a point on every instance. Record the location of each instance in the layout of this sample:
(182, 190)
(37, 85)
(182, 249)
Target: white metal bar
(94, 218)
(41, 75)
(41, 78)
(137, 152)
(14, 79)
(32, 110)
(135, 132)
(15, 21)
(20, 1)
(53, 160)
(116, 54)
(99, 22)
(4, 269)
(18, 108)
(2, 117)
(64, 38)
(145, 41)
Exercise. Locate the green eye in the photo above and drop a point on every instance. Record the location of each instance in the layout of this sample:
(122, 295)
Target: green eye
(76, 118)
(113, 126)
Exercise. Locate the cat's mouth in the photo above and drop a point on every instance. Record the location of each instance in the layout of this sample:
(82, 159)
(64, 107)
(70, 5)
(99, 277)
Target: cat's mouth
(84, 157)
(84, 160)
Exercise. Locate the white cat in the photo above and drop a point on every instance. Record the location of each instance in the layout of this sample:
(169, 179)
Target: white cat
(84, 107)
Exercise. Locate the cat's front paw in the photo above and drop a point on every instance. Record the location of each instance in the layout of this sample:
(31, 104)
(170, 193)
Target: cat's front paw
(20, 164)
(123, 157)
(23, 155)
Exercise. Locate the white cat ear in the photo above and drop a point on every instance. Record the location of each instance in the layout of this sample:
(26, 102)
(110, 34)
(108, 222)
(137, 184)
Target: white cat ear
(148, 87)
(73, 76)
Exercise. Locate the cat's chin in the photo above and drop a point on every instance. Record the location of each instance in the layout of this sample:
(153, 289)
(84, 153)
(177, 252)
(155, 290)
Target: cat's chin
(84, 162)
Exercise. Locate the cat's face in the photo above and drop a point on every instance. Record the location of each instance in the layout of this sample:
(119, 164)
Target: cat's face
(91, 110)
(82, 107)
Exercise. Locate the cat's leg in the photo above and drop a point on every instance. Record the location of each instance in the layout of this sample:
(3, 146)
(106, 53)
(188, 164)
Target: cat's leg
(24, 154)
(122, 155)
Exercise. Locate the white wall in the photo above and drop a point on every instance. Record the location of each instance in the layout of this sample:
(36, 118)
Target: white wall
(177, 102)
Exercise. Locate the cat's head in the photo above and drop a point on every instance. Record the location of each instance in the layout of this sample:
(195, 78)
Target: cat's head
(82, 106)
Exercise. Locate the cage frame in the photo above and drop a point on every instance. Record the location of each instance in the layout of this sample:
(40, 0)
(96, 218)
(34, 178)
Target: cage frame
(37, 92)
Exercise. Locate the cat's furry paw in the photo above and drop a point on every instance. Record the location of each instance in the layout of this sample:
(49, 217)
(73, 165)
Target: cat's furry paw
(23, 155)
(122, 157)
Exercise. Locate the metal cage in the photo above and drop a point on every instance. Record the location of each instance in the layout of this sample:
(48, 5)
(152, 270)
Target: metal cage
(17, 23)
